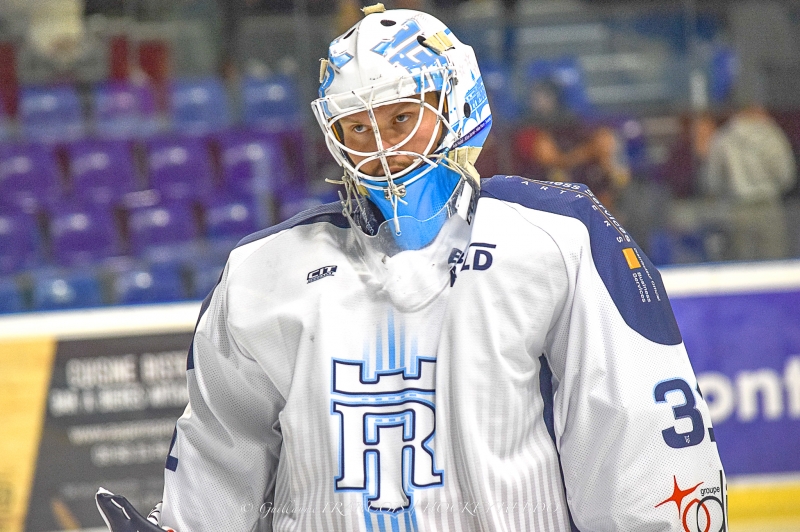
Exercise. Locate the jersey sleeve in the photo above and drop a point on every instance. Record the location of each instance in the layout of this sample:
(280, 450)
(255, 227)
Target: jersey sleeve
(221, 469)
(632, 430)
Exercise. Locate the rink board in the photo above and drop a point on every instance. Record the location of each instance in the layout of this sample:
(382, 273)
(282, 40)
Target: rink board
(89, 398)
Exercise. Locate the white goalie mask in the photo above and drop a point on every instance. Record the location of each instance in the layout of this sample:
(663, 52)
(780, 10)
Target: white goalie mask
(405, 57)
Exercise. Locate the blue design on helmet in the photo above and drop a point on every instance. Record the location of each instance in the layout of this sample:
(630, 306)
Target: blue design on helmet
(399, 56)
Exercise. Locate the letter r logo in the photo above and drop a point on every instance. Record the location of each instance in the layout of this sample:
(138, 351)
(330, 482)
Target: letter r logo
(386, 431)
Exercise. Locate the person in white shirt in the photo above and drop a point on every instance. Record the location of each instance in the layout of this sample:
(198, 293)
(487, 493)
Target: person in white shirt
(750, 167)
(436, 352)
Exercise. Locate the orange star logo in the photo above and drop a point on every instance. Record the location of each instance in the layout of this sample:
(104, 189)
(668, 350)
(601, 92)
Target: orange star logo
(678, 495)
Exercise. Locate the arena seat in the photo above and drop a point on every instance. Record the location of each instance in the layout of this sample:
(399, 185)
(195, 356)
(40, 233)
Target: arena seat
(500, 89)
(11, 299)
(251, 162)
(82, 235)
(231, 218)
(179, 167)
(198, 107)
(723, 71)
(270, 103)
(205, 275)
(59, 290)
(566, 74)
(161, 231)
(148, 283)
(29, 176)
(20, 242)
(51, 114)
(101, 171)
(124, 110)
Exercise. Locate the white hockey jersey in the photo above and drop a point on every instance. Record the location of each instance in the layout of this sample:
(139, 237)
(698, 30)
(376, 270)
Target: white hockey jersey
(544, 387)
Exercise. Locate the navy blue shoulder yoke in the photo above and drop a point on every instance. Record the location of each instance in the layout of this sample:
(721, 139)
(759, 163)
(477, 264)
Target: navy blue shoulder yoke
(329, 212)
(631, 279)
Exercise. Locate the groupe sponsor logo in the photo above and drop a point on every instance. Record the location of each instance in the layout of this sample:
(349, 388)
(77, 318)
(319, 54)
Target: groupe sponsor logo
(708, 513)
(753, 395)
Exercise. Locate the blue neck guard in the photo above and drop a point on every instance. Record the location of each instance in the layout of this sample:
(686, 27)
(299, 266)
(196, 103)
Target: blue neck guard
(419, 217)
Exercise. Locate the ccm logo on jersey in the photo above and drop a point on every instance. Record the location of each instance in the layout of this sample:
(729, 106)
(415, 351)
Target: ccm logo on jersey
(319, 273)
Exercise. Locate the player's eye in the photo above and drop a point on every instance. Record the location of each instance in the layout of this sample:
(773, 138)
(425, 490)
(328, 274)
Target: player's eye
(359, 128)
(404, 117)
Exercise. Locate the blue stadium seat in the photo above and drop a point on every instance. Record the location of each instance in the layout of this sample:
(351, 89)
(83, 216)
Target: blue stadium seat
(179, 167)
(124, 110)
(101, 171)
(566, 74)
(723, 73)
(82, 235)
(149, 283)
(497, 79)
(29, 176)
(11, 299)
(51, 114)
(489, 37)
(55, 290)
(20, 242)
(163, 231)
(706, 243)
(270, 103)
(199, 107)
(205, 275)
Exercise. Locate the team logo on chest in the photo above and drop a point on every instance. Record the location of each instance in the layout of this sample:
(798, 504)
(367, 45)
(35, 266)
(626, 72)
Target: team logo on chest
(386, 427)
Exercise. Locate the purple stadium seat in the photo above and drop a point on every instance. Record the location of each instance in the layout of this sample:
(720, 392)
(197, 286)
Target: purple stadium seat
(296, 199)
(51, 114)
(29, 176)
(157, 231)
(199, 107)
(124, 110)
(271, 105)
(101, 171)
(179, 167)
(81, 235)
(252, 163)
(20, 242)
(231, 218)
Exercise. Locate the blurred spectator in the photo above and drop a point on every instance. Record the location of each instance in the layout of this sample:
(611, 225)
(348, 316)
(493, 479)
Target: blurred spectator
(559, 146)
(56, 29)
(681, 171)
(750, 166)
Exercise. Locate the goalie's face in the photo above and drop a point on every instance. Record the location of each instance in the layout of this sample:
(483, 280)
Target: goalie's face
(404, 130)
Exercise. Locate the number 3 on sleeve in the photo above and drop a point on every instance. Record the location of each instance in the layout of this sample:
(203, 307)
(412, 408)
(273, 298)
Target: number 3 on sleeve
(686, 410)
